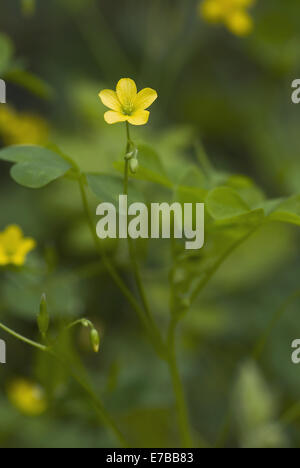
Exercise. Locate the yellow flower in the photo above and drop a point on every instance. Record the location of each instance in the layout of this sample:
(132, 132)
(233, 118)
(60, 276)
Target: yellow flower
(14, 247)
(232, 13)
(27, 397)
(126, 104)
(22, 128)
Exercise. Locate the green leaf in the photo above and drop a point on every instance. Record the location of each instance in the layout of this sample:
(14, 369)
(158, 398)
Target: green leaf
(226, 206)
(150, 167)
(35, 166)
(246, 189)
(6, 52)
(288, 211)
(108, 188)
(194, 177)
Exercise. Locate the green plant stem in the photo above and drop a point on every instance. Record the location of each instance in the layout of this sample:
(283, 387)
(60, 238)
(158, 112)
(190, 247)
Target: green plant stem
(22, 338)
(181, 406)
(111, 270)
(134, 263)
(102, 412)
(82, 322)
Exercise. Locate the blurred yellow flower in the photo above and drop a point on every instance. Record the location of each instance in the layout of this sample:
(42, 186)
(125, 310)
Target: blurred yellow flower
(21, 128)
(232, 13)
(126, 104)
(14, 247)
(27, 397)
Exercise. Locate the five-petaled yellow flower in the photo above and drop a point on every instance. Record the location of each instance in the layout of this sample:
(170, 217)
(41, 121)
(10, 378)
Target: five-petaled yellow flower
(14, 247)
(126, 104)
(232, 13)
(28, 397)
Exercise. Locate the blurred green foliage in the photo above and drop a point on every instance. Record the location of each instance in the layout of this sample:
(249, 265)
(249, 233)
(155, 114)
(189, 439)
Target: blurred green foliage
(233, 95)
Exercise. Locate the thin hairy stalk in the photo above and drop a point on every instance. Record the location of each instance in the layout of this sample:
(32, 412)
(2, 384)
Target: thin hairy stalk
(219, 263)
(23, 338)
(181, 405)
(260, 345)
(112, 271)
(131, 248)
(102, 412)
(133, 259)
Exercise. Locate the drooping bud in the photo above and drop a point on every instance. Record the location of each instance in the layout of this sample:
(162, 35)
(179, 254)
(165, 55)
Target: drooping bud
(43, 318)
(95, 340)
(133, 165)
(86, 323)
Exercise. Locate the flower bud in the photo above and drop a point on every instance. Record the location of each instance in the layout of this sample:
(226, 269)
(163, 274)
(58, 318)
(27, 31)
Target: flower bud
(129, 155)
(43, 318)
(133, 165)
(95, 340)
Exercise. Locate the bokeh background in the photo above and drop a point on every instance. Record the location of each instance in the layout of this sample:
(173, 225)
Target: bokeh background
(233, 93)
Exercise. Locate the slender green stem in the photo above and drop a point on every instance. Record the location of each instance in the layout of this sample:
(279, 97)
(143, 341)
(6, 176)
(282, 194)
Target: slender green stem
(135, 266)
(181, 405)
(110, 268)
(22, 338)
(84, 322)
(97, 403)
(104, 415)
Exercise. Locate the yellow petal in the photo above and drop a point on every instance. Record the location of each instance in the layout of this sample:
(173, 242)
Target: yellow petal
(211, 10)
(126, 91)
(240, 23)
(4, 260)
(139, 117)
(24, 248)
(110, 99)
(112, 117)
(145, 98)
(27, 397)
(244, 3)
(11, 237)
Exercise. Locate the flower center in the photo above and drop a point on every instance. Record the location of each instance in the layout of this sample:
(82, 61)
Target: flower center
(128, 109)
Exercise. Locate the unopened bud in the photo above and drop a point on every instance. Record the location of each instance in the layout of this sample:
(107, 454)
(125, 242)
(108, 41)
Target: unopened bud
(95, 340)
(129, 155)
(133, 165)
(43, 318)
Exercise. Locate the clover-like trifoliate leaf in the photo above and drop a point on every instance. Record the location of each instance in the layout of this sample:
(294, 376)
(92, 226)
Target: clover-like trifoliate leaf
(35, 166)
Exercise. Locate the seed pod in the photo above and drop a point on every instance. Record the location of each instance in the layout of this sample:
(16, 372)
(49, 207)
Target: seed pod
(133, 165)
(43, 318)
(95, 340)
